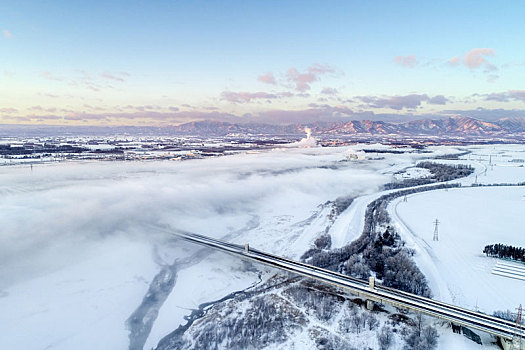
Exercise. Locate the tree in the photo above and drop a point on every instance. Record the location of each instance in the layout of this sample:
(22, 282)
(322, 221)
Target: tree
(357, 322)
(372, 321)
(430, 336)
(419, 323)
(385, 338)
(425, 340)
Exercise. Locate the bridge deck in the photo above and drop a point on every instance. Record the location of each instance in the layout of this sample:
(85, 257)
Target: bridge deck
(457, 315)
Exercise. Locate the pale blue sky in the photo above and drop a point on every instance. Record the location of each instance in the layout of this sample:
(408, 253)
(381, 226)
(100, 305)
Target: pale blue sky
(152, 62)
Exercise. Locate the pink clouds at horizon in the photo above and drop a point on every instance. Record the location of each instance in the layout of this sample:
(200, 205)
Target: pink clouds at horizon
(475, 58)
(397, 102)
(302, 81)
(267, 78)
(409, 61)
(245, 97)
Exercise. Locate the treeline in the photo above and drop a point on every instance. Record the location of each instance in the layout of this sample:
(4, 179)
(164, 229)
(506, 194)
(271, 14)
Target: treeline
(46, 148)
(499, 184)
(440, 173)
(382, 253)
(379, 250)
(505, 252)
(452, 156)
(446, 172)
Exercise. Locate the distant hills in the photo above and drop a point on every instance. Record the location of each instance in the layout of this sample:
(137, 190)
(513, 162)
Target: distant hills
(448, 127)
(454, 126)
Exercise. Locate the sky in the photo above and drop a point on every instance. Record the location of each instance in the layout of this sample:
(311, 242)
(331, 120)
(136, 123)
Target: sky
(169, 62)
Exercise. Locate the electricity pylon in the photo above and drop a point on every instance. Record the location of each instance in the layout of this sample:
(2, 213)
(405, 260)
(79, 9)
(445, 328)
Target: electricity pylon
(436, 237)
(519, 325)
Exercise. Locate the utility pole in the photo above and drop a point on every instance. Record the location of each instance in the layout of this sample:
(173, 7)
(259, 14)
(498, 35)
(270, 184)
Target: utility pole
(436, 237)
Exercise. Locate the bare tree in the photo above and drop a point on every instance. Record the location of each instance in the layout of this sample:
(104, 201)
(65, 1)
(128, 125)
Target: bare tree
(357, 323)
(419, 323)
(372, 321)
(385, 338)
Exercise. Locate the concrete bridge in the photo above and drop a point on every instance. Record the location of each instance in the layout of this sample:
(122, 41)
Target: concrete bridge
(511, 336)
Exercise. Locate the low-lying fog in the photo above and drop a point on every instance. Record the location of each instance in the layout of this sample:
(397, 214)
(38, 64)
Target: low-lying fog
(55, 214)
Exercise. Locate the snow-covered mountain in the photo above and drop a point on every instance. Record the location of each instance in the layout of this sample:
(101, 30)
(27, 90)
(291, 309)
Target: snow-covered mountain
(463, 126)
(452, 126)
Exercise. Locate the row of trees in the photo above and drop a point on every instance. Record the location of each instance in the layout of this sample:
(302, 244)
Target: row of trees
(505, 251)
(453, 156)
(440, 173)
(381, 253)
(499, 184)
(446, 172)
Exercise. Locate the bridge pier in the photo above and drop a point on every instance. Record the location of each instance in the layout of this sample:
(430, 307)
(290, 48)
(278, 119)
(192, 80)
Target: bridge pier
(371, 285)
(475, 320)
(456, 328)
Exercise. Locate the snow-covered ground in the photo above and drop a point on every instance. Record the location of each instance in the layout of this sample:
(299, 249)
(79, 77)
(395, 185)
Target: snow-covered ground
(80, 242)
(77, 238)
(470, 218)
(79, 307)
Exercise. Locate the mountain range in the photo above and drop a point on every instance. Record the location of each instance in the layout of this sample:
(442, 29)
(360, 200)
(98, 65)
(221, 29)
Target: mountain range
(453, 126)
(513, 128)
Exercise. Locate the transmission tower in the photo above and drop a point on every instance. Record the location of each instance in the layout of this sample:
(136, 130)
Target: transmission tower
(436, 237)
(519, 325)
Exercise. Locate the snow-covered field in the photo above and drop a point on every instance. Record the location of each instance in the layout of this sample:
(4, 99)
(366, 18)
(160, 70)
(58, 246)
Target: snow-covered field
(81, 306)
(81, 242)
(470, 218)
(79, 247)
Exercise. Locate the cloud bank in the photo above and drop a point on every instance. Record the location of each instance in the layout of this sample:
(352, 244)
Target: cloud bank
(58, 214)
(511, 95)
(246, 97)
(412, 101)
